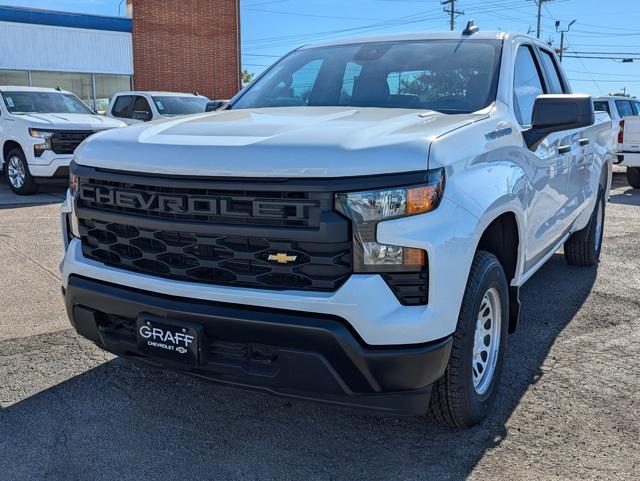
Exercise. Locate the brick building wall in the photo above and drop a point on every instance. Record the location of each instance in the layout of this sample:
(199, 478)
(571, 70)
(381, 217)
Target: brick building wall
(186, 46)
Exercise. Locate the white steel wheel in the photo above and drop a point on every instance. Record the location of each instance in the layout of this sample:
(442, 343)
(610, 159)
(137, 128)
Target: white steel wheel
(486, 341)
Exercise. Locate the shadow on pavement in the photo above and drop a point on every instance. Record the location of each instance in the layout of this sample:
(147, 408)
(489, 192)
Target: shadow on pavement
(628, 197)
(49, 193)
(123, 420)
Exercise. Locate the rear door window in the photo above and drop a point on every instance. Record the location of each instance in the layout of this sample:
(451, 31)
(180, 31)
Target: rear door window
(636, 108)
(624, 108)
(122, 106)
(555, 82)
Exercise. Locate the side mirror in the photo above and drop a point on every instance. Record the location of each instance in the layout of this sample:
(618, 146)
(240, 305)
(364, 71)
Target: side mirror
(555, 113)
(141, 115)
(216, 105)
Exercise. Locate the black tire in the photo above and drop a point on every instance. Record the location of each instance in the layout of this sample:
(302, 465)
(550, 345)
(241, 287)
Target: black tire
(583, 247)
(28, 185)
(633, 177)
(455, 401)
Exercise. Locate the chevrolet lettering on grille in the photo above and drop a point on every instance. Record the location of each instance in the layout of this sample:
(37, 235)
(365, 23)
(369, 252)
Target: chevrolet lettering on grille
(196, 205)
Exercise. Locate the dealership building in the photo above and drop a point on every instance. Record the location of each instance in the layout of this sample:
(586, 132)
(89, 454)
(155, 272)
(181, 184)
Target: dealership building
(187, 46)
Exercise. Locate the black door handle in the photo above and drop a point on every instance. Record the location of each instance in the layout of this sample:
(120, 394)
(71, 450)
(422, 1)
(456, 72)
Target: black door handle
(583, 142)
(564, 149)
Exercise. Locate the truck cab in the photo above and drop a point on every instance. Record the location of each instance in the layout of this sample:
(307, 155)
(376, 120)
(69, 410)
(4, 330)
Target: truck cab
(143, 106)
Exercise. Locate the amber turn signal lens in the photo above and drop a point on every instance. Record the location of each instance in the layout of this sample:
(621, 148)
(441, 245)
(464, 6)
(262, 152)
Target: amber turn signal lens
(413, 257)
(73, 183)
(423, 199)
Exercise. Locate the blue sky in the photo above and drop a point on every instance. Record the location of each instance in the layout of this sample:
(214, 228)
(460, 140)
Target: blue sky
(270, 28)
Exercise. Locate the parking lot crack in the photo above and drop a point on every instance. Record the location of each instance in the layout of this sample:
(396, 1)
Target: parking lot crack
(29, 258)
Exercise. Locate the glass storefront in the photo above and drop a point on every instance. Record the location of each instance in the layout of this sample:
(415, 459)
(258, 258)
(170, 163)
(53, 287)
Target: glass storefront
(106, 87)
(78, 83)
(95, 90)
(14, 77)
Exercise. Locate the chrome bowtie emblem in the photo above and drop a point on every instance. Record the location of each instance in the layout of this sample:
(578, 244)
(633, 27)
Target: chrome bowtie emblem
(282, 258)
(181, 350)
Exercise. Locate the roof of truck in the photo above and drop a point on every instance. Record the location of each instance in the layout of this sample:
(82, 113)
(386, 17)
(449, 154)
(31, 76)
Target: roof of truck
(22, 88)
(159, 93)
(488, 35)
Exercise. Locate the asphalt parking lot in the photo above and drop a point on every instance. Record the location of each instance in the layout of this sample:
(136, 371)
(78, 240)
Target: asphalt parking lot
(568, 407)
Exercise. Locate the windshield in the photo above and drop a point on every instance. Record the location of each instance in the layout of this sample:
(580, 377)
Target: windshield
(171, 105)
(22, 102)
(450, 76)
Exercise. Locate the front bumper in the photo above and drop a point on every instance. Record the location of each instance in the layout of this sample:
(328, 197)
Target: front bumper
(289, 353)
(49, 165)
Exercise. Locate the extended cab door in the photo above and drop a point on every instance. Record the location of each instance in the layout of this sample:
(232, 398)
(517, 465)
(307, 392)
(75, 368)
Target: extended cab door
(548, 168)
(581, 158)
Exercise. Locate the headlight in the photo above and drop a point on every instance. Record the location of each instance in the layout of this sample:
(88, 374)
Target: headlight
(46, 136)
(366, 209)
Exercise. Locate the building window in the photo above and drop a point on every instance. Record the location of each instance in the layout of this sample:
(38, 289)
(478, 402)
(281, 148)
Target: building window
(81, 84)
(106, 87)
(14, 77)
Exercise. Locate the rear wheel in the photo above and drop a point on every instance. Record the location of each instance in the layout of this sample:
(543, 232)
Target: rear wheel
(583, 247)
(466, 393)
(16, 171)
(633, 177)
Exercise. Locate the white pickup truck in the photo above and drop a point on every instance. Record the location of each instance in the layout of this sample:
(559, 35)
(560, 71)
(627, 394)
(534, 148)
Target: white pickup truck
(629, 154)
(144, 106)
(354, 228)
(40, 129)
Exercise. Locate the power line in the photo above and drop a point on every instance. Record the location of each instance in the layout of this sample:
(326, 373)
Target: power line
(452, 12)
(539, 4)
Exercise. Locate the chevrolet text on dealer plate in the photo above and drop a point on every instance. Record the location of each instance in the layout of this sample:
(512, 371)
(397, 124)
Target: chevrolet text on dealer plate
(354, 227)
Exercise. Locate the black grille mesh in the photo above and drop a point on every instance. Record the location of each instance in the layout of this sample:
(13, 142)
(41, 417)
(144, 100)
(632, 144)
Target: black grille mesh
(218, 259)
(66, 142)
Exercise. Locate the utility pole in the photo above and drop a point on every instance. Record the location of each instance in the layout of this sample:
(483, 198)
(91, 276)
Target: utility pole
(452, 12)
(562, 32)
(539, 4)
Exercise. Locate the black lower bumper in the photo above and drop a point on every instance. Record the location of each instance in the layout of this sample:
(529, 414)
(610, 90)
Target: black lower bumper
(289, 353)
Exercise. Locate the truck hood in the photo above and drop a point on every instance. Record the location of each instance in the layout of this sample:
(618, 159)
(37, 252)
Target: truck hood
(276, 142)
(70, 121)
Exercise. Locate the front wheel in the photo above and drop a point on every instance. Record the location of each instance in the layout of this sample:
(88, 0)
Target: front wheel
(16, 171)
(466, 393)
(583, 247)
(633, 177)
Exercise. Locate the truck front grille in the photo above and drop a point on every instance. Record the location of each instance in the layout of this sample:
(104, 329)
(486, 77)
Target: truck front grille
(66, 141)
(218, 259)
(205, 204)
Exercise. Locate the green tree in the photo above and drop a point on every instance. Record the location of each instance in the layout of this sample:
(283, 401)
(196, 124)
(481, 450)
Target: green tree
(246, 76)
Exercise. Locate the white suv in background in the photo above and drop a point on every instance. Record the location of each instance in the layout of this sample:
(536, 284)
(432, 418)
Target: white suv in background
(40, 129)
(135, 107)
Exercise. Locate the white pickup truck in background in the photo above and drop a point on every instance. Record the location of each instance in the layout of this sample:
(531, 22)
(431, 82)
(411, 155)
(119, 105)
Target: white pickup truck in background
(630, 151)
(40, 129)
(143, 106)
(624, 113)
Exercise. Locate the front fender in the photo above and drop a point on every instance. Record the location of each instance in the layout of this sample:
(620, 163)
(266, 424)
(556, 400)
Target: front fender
(489, 189)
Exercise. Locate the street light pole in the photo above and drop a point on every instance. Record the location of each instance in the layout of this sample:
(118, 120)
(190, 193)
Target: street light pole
(562, 32)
